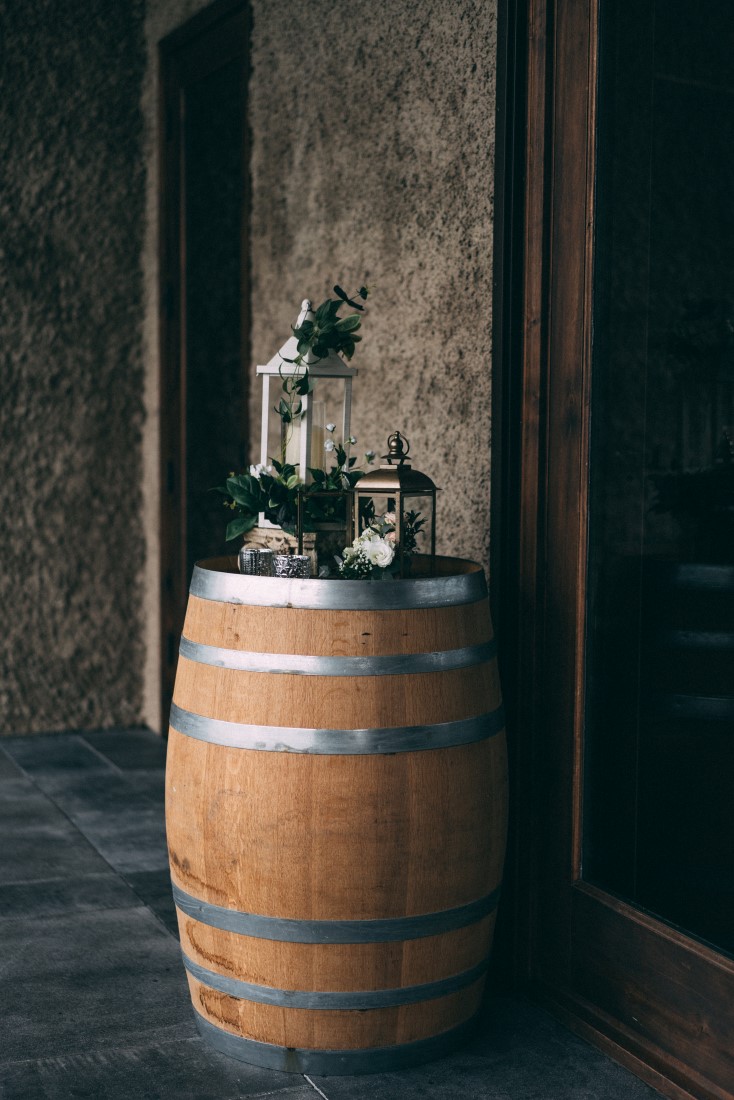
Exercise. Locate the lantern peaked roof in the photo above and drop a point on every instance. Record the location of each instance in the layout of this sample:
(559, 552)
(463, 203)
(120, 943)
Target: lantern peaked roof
(396, 474)
(282, 362)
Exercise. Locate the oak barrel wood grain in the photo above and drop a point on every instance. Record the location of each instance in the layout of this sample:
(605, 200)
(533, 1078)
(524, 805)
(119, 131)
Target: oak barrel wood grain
(306, 877)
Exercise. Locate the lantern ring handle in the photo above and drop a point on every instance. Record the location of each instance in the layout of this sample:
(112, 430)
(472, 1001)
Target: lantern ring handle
(398, 449)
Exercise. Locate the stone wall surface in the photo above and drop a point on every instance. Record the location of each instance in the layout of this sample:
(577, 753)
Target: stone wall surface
(71, 373)
(373, 138)
(372, 135)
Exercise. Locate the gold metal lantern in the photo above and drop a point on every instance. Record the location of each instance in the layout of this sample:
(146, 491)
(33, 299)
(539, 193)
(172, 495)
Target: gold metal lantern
(396, 488)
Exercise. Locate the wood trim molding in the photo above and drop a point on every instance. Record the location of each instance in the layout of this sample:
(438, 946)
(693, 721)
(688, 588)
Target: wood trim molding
(214, 36)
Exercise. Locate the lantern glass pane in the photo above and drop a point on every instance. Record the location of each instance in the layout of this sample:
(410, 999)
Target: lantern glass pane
(417, 524)
(376, 506)
(327, 406)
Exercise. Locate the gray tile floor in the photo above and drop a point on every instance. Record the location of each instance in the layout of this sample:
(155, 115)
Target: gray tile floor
(93, 999)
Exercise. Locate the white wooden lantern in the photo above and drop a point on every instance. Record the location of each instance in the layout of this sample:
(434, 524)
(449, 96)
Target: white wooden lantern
(302, 441)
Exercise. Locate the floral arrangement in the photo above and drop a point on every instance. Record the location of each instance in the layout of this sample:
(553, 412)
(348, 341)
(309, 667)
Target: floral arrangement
(372, 555)
(279, 491)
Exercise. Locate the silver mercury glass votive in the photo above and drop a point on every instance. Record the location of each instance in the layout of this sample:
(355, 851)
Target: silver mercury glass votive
(249, 561)
(291, 565)
(266, 563)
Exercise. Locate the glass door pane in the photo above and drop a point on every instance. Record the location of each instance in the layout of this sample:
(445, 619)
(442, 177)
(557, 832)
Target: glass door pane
(659, 745)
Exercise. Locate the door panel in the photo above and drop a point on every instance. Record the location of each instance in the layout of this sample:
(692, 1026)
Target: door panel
(619, 707)
(204, 297)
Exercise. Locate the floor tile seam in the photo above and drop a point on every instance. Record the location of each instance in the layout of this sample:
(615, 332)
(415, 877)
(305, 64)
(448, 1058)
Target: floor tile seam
(83, 877)
(315, 1086)
(66, 913)
(70, 736)
(105, 1050)
(66, 814)
(101, 756)
(160, 920)
(87, 840)
(75, 820)
(150, 800)
(289, 1090)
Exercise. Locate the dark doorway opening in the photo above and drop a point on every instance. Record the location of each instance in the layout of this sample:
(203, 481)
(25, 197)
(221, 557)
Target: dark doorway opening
(204, 325)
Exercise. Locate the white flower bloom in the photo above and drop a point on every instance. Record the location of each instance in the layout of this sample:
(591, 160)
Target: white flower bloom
(389, 517)
(261, 468)
(352, 439)
(329, 445)
(330, 427)
(369, 456)
(379, 552)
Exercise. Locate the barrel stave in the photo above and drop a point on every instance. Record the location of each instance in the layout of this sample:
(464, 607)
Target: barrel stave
(335, 1030)
(327, 837)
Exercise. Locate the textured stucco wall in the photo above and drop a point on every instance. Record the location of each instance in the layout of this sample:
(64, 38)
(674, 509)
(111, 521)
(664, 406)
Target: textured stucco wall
(373, 137)
(71, 374)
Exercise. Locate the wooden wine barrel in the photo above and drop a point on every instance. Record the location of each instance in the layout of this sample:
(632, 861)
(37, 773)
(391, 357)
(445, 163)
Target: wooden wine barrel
(336, 814)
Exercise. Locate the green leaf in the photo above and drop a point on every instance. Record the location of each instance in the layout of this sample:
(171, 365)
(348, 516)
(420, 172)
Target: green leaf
(349, 324)
(293, 481)
(355, 305)
(239, 490)
(239, 526)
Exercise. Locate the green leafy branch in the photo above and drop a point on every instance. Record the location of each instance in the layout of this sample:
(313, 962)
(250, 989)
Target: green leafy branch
(326, 333)
(273, 490)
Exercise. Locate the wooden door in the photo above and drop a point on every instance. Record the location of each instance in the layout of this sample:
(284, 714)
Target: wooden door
(615, 561)
(204, 327)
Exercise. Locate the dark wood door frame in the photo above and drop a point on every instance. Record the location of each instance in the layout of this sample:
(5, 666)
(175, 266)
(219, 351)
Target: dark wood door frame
(652, 997)
(212, 38)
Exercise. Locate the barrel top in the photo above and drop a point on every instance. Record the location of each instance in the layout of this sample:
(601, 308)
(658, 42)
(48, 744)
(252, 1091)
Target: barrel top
(457, 581)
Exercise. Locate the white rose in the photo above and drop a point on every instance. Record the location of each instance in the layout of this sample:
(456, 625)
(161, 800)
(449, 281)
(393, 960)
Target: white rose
(330, 427)
(329, 445)
(256, 471)
(379, 552)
